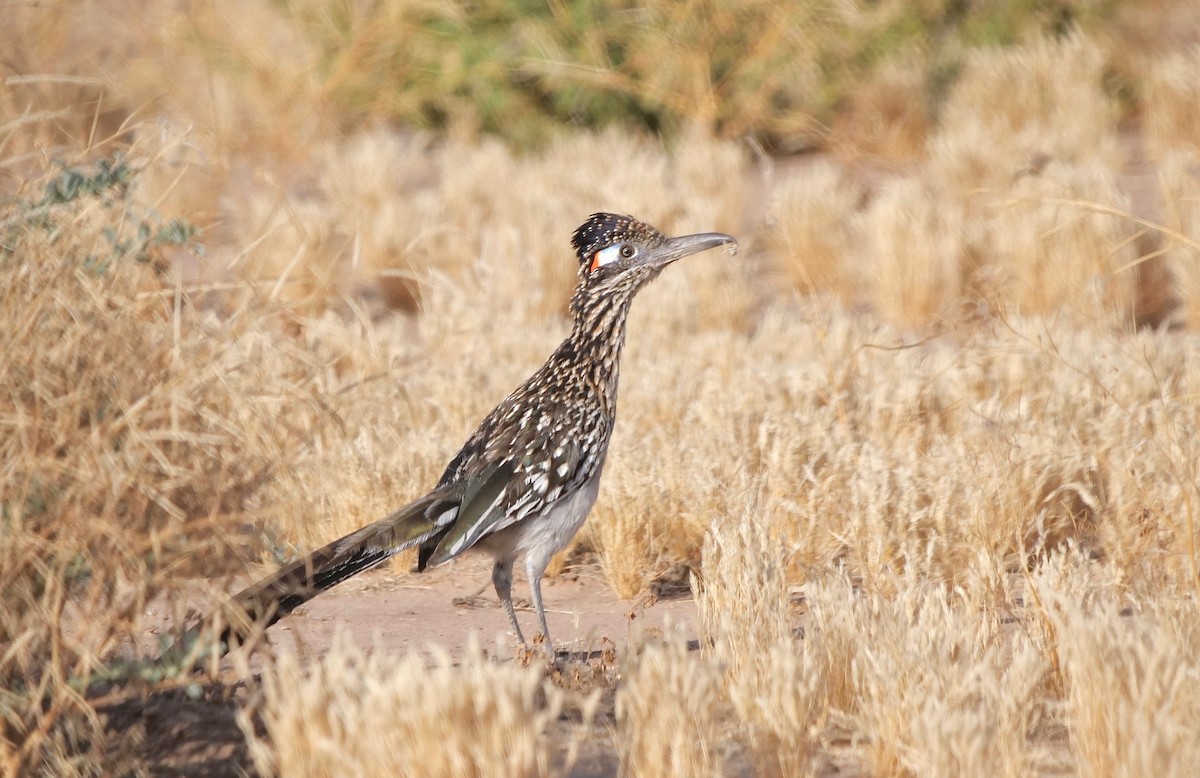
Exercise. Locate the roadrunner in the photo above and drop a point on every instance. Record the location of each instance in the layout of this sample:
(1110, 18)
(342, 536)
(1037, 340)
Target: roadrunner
(527, 478)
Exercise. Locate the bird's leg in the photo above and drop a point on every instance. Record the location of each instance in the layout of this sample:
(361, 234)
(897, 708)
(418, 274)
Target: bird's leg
(535, 567)
(502, 580)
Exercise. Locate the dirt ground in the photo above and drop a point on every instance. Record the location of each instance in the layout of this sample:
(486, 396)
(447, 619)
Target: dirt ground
(451, 605)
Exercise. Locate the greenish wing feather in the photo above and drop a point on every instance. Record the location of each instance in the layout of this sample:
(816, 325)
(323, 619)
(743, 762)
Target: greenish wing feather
(482, 506)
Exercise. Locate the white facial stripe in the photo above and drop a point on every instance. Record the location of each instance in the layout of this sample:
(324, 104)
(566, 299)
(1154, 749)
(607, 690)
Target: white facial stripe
(607, 256)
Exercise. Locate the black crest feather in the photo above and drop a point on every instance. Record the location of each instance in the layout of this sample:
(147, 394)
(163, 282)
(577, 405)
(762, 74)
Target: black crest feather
(602, 230)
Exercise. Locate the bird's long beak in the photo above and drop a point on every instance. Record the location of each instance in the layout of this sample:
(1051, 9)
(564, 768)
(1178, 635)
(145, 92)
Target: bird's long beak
(684, 245)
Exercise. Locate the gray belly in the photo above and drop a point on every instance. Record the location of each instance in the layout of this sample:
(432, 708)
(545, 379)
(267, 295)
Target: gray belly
(549, 531)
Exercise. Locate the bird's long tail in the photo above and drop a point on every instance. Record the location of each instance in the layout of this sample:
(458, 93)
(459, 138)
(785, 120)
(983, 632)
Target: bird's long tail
(259, 606)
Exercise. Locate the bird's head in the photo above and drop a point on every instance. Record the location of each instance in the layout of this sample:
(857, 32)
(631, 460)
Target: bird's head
(619, 251)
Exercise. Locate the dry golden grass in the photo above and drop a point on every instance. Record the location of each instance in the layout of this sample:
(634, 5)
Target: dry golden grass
(668, 713)
(476, 718)
(912, 258)
(1011, 106)
(1050, 252)
(944, 525)
(135, 429)
(888, 115)
(810, 235)
(1172, 103)
(941, 690)
(773, 690)
(1180, 180)
(1017, 207)
(1132, 691)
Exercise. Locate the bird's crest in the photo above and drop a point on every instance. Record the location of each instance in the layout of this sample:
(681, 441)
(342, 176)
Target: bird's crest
(605, 230)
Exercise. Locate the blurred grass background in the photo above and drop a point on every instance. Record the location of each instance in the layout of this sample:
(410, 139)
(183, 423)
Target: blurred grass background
(523, 69)
(773, 71)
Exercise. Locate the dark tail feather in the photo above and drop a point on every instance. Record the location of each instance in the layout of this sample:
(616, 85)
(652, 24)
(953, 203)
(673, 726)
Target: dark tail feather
(266, 602)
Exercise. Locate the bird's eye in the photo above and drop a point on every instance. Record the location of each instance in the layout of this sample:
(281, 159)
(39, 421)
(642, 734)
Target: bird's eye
(627, 251)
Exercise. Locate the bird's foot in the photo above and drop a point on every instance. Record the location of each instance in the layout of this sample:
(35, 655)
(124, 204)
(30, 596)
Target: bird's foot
(540, 651)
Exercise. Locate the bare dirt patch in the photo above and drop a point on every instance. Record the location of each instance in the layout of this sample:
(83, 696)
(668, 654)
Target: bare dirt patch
(449, 607)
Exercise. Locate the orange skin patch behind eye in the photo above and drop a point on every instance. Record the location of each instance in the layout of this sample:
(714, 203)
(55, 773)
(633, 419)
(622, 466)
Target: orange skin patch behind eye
(606, 256)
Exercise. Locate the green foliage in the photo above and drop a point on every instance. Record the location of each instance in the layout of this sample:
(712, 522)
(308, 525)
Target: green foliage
(518, 68)
(131, 231)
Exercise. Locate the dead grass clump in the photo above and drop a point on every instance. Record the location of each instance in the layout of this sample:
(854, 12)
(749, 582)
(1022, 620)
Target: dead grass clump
(784, 711)
(296, 259)
(1180, 180)
(911, 253)
(1101, 477)
(373, 714)
(125, 401)
(1133, 692)
(772, 683)
(136, 432)
(887, 115)
(634, 543)
(354, 223)
(1146, 475)
(940, 690)
(240, 86)
(244, 80)
(1069, 499)
(371, 181)
(743, 596)
(1171, 104)
(1010, 107)
(808, 228)
(1060, 242)
(47, 100)
(668, 716)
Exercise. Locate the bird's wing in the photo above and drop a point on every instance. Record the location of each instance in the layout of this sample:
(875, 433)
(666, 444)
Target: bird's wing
(523, 475)
(556, 469)
(483, 504)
